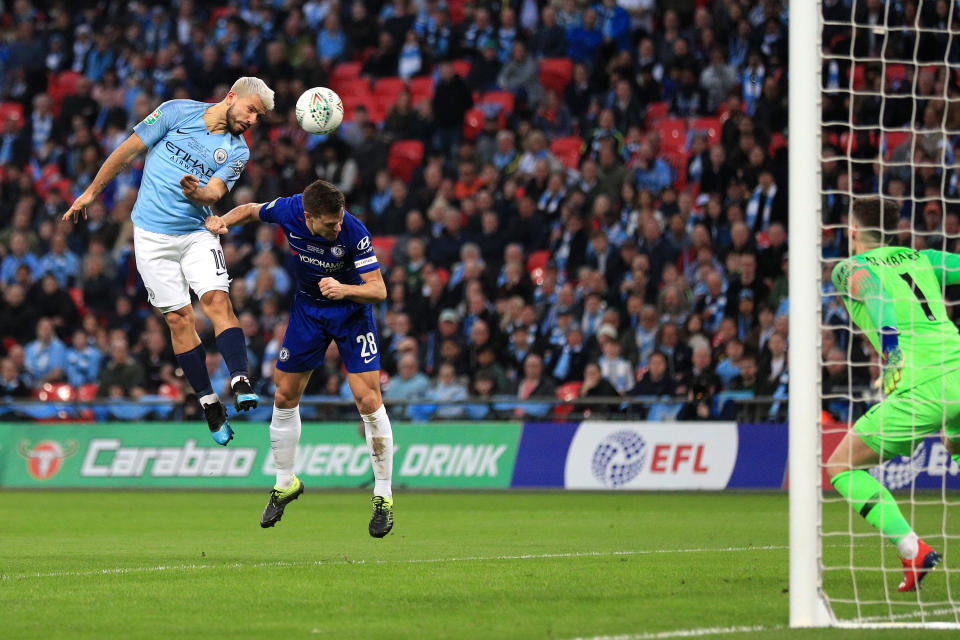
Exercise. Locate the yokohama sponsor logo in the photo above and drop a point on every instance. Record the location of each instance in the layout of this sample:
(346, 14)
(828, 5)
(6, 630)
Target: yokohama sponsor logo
(107, 457)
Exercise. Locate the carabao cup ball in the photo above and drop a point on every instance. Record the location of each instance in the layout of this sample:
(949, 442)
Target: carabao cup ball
(319, 110)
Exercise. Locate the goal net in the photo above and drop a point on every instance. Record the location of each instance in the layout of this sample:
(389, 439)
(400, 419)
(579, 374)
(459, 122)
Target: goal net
(875, 112)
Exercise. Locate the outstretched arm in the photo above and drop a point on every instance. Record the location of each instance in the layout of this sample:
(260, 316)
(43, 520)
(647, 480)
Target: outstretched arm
(116, 162)
(238, 215)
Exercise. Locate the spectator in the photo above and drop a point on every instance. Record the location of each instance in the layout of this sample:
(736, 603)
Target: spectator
(12, 382)
(616, 369)
(447, 390)
(656, 380)
(717, 80)
(60, 261)
(45, 357)
(701, 404)
(651, 172)
(451, 99)
(123, 376)
(595, 385)
(583, 41)
(82, 360)
(331, 41)
(52, 302)
(17, 315)
(18, 255)
(535, 384)
(549, 41)
(409, 383)
(520, 75)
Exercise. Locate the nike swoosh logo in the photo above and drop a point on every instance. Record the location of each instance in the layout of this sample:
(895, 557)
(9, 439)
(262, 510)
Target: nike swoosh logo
(220, 273)
(368, 360)
(182, 132)
(293, 235)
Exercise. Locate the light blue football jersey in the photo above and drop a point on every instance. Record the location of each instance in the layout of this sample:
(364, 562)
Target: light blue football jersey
(179, 144)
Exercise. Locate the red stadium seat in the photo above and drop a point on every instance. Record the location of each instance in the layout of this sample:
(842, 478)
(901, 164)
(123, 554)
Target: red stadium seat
(567, 150)
(472, 123)
(538, 260)
(421, 87)
(555, 73)
(167, 390)
(713, 127)
(76, 294)
(55, 392)
(893, 139)
(857, 70)
(456, 8)
(503, 98)
(67, 83)
(896, 73)
(345, 76)
(567, 392)
(382, 103)
(462, 67)
(777, 141)
(10, 108)
(673, 133)
(657, 111)
(87, 392)
(404, 157)
(383, 245)
(389, 87)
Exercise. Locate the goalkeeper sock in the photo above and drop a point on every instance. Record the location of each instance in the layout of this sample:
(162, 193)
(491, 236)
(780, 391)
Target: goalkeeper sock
(194, 365)
(284, 436)
(379, 433)
(233, 347)
(872, 501)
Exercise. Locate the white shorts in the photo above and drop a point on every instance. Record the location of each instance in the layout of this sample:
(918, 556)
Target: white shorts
(173, 265)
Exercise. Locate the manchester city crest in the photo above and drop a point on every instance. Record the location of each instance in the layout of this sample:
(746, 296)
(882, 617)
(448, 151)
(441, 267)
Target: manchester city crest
(220, 155)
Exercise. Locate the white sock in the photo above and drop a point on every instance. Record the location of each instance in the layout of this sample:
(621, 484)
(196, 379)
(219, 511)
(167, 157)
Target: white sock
(210, 398)
(376, 427)
(909, 547)
(284, 436)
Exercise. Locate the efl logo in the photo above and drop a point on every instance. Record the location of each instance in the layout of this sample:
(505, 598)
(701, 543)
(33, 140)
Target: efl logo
(46, 457)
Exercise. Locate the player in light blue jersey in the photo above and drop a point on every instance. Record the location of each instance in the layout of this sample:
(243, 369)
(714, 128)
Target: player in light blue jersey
(338, 280)
(195, 154)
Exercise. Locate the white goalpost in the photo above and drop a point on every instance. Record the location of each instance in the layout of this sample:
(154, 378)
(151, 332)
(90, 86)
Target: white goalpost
(843, 573)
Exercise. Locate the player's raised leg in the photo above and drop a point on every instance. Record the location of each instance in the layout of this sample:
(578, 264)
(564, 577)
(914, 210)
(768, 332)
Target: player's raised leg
(192, 358)
(284, 436)
(379, 434)
(205, 270)
(876, 505)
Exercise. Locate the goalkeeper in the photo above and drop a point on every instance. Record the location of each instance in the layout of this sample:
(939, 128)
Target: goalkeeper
(894, 294)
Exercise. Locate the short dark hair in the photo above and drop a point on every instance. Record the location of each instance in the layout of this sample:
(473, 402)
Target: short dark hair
(321, 197)
(879, 217)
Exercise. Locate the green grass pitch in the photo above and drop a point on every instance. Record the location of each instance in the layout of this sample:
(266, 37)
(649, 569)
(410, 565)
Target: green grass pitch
(465, 565)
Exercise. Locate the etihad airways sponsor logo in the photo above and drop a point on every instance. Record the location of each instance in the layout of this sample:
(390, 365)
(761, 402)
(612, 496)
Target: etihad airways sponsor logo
(183, 158)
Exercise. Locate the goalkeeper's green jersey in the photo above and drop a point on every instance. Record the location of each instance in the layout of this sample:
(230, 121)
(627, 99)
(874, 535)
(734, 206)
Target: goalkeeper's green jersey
(902, 289)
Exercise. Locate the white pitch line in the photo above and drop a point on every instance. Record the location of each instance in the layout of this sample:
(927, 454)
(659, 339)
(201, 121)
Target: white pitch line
(683, 633)
(346, 561)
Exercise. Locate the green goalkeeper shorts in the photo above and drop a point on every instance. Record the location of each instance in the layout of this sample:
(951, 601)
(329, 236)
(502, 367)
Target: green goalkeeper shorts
(897, 425)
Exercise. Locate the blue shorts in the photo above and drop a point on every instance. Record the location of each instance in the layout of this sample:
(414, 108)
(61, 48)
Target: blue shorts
(311, 329)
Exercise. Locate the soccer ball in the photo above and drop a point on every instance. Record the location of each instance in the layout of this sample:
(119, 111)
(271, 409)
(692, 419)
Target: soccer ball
(319, 111)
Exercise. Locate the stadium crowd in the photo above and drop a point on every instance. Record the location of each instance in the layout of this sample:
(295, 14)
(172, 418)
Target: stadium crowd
(588, 198)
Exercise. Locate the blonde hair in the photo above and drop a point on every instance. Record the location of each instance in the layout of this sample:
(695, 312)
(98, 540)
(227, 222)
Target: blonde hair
(249, 86)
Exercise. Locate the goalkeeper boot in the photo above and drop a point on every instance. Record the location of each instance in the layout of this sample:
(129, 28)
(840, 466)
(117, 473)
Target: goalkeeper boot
(244, 398)
(216, 415)
(382, 519)
(279, 499)
(916, 569)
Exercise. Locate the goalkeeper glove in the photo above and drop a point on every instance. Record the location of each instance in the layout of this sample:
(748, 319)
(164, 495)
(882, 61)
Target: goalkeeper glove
(893, 362)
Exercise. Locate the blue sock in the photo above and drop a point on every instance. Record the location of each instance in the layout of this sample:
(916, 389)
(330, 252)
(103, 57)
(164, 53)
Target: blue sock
(194, 365)
(232, 345)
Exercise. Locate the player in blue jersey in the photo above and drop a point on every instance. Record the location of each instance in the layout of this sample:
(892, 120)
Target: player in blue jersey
(195, 154)
(338, 279)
